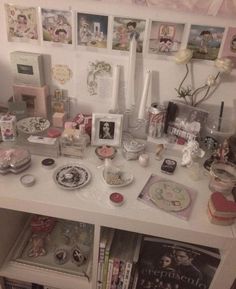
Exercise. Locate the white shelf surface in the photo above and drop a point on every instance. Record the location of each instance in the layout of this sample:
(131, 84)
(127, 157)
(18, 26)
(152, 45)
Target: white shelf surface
(91, 203)
(45, 277)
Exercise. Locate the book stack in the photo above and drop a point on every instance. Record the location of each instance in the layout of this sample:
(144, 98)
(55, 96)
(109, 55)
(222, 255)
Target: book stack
(118, 256)
(107, 235)
(221, 211)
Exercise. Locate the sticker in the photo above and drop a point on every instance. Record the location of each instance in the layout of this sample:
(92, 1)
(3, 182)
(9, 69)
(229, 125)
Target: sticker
(61, 73)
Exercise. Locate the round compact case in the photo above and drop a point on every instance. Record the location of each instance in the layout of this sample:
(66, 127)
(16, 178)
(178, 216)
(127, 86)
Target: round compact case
(14, 160)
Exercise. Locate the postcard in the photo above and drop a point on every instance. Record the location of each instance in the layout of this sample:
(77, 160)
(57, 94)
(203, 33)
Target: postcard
(205, 41)
(165, 37)
(124, 29)
(56, 26)
(92, 30)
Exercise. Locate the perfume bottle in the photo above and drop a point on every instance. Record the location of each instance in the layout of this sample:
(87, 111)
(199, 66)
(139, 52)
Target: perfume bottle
(81, 140)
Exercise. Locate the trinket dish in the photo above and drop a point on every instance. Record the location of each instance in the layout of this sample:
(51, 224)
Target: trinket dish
(33, 125)
(104, 152)
(116, 178)
(72, 176)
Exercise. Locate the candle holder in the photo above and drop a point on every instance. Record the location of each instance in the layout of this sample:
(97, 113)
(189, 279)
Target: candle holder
(133, 125)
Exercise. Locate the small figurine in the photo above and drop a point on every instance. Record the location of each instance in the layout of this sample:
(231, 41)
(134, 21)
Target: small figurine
(222, 153)
(159, 151)
(37, 249)
(191, 151)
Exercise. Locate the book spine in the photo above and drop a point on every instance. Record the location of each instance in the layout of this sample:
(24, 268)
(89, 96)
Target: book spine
(121, 275)
(99, 275)
(115, 273)
(105, 269)
(127, 274)
(109, 273)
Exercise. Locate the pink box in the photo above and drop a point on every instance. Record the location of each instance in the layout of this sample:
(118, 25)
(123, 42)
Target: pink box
(36, 98)
(8, 127)
(58, 119)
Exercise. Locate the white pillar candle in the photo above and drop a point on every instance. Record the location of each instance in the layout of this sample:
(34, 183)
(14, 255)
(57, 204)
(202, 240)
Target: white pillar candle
(115, 87)
(130, 100)
(143, 101)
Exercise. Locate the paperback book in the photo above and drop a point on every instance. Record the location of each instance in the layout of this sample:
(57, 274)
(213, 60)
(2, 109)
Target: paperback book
(167, 195)
(170, 264)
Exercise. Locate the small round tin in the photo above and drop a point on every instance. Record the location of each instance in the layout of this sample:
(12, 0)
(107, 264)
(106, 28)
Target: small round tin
(48, 163)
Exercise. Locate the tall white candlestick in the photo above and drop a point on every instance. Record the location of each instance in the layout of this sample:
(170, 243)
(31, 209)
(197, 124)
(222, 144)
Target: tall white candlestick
(130, 100)
(115, 87)
(143, 101)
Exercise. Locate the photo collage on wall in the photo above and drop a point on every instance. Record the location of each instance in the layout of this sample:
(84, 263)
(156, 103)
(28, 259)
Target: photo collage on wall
(108, 32)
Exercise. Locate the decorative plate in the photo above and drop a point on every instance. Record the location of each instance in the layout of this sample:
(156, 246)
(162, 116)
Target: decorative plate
(117, 178)
(33, 125)
(169, 196)
(71, 177)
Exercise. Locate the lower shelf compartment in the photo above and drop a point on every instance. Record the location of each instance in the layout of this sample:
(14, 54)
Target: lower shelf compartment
(68, 248)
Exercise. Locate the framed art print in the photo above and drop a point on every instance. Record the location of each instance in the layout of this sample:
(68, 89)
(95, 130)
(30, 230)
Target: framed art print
(165, 38)
(205, 41)
(106, 129)
(22, 23)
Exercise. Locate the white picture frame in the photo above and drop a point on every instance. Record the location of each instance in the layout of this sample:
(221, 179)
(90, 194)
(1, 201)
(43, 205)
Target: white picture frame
(106, 129)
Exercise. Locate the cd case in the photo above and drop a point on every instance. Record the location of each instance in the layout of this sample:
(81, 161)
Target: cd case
(169, 196)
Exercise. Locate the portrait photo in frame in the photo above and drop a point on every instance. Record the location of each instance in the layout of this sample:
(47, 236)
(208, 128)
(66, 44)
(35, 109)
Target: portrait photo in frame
(107, 129)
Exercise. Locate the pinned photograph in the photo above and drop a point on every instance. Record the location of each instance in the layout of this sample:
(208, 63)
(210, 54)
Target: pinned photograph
(165, 38)
(56, 26)
(92, 30)
(22, 23)
(124, 29)
(229, 47)
(205, 41)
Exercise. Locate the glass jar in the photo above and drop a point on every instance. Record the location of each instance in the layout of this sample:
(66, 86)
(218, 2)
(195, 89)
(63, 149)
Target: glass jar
(223, 177)
(132, 149)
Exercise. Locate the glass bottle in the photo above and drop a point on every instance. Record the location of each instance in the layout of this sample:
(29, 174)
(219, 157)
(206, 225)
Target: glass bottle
(81, 140)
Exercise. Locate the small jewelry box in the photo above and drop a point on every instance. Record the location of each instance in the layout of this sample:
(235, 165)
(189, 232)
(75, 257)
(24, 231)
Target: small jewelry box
(132, 149)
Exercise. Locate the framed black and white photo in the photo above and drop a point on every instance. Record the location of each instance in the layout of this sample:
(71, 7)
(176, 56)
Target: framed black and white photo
(106, 129)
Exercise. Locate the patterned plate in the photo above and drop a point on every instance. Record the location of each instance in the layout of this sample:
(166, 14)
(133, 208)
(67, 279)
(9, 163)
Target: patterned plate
(169, 196)
(72, 176)
(33, 125)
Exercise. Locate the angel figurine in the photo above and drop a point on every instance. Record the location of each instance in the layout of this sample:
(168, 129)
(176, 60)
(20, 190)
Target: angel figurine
(191, 151)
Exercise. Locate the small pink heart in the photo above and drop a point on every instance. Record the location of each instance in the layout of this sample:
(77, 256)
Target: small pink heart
(221, 204)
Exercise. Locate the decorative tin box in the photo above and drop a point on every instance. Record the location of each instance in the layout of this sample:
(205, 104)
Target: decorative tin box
(14, 160)
(132, 149)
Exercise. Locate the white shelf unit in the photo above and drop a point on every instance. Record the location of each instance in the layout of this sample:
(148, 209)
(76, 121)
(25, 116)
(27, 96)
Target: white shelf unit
(91, 205)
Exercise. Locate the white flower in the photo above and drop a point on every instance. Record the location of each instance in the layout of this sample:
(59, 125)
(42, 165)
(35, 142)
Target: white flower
(211, 80)
(224, 64)
(183, 56)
